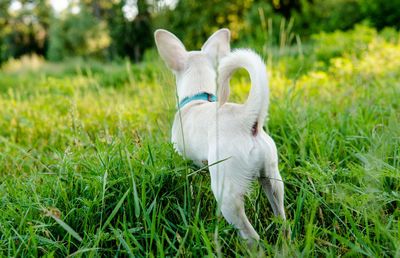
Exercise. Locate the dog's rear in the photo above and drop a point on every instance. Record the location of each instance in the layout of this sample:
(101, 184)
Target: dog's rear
(239, 138)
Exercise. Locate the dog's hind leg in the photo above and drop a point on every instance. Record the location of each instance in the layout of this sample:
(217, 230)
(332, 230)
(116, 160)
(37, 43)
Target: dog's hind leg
(230, 199)
(272, 184)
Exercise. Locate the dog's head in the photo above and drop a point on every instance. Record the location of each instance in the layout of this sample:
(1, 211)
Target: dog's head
(194, 70)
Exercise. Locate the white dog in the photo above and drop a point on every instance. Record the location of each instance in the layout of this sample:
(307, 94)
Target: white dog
(228, 136)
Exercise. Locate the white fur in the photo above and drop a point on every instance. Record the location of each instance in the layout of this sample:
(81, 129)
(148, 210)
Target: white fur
(214, 131)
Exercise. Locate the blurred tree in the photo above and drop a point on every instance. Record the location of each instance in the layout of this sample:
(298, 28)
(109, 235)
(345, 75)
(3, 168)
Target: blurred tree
(140, 31)
(327, 15)
(381, 13)
(101, 9)
(130, 37)
(78, 34)
(4, 29)
(285, 7)
(24, 30)
(193, 21)
(110, 29)
(102, 29)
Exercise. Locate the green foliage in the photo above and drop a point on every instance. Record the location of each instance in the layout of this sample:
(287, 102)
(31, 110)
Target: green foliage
(263, 25)
(331, 15)
(381, 13)
(78, 35)
(86, 167)
(193, 21)
(103, 30)
(98, 30)
(327, 15)
(272, 23)
(24, 31)
(130, 38)
(329, 45)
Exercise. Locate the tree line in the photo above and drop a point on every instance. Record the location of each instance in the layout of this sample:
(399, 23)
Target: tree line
(113, 29)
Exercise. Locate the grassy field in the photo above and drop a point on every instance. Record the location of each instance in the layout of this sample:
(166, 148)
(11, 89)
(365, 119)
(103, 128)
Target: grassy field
(86, 167)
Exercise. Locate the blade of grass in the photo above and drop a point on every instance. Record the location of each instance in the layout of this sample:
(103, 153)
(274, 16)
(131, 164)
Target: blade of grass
(68, 229)
(117, 207)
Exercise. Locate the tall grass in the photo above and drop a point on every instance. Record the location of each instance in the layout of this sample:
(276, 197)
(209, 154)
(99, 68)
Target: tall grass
(87, 168)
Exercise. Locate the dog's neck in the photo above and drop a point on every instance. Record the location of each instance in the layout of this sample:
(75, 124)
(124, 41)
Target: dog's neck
(196, 79)
(196, 87)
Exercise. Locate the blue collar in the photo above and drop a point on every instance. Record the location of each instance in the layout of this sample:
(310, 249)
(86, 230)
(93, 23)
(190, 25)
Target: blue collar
(201, 96)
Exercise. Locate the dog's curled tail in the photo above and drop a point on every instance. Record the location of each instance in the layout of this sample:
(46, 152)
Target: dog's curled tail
(257, 103)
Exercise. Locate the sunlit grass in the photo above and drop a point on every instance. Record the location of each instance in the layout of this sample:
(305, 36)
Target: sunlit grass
(87, 168)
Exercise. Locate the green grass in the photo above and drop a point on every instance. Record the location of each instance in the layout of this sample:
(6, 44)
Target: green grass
(86, 167)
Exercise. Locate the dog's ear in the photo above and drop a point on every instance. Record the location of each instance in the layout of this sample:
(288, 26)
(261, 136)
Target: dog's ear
(171, 49)
(217, 46)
